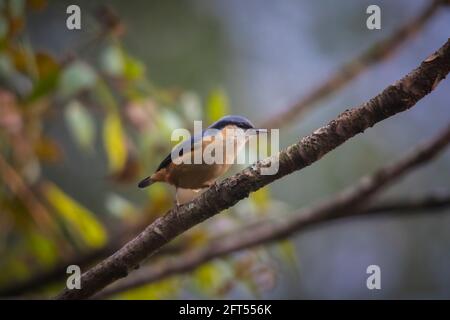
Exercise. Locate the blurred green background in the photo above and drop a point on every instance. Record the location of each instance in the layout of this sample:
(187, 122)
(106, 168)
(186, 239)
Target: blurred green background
(86, 113)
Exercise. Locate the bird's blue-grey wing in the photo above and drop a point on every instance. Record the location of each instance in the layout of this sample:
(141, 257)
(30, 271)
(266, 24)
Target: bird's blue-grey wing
(180, 148)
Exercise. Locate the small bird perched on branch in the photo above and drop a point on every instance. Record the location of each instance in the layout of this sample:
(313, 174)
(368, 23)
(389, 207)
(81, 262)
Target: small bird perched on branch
(183, 172)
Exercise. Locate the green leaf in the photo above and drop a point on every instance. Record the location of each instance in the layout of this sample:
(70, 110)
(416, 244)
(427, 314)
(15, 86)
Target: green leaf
(133, 68)
(76, 77)
(78, 218)
(105, 97)
(43, 248)
(217, 105)
(44, 86)
(15, 269)
(114, 142)
(81, 124)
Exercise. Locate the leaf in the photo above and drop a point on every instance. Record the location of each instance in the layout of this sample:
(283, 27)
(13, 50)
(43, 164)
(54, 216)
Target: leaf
(164, 289)
(111, 61)
(133, 68)
(46, 64)
(288, 253)
(48, 72)
(217, 105)
(44, 86)
(76, 77)
(116, 62)
(105, 97)
(160, 199)
(78, 219)
(20, 58)
(114, 142)
(43, 248)
(120, 207)
(261, 199)
(47, 149)
(81, 124)
(211, 277)
(15, 269)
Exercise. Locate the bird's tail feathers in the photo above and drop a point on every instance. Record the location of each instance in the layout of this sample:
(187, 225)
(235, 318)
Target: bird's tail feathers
(146, 182)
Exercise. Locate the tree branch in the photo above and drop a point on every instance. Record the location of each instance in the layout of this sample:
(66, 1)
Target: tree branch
(394, 99)
(408, 206)
(373, 55)
(193, 259)
(350, 202)
(84, 260)
(15, 183)
(377, 53)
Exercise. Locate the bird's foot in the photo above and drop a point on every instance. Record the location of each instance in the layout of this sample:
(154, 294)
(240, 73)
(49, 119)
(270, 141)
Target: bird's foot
(176, 204)
(207, 185)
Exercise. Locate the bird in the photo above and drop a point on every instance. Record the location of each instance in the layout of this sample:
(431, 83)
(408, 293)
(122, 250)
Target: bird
(198, 176)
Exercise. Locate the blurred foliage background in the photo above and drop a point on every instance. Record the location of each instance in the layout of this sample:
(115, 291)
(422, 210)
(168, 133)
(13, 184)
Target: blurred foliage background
(85, 113)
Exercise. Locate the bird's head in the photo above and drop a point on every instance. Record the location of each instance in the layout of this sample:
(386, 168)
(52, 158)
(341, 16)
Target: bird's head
(235, 121)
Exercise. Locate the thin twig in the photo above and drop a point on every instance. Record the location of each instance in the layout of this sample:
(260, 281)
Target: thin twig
(234, 242)
(15, 183)
(375, 54)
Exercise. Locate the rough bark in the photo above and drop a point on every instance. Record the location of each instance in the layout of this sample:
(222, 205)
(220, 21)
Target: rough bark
(350, 202)
(394, 99)
(345, 74)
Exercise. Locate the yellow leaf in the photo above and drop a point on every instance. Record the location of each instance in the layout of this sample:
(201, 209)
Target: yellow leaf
(217, 105)
(261, 199)
(210, 277)
(164, 289)
(78, 218)
(114, 141)
(288, 253)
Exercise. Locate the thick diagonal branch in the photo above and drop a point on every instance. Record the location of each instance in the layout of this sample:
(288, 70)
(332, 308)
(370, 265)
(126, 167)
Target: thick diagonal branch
(345, 74)
(394, 99)
(376, 54)
(350, 202)
(234, 242)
